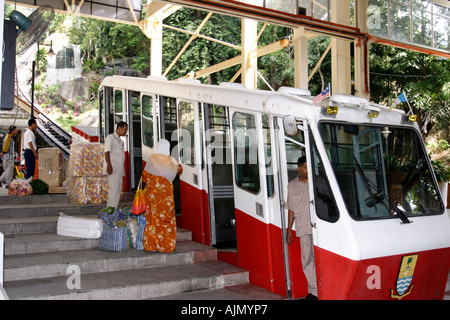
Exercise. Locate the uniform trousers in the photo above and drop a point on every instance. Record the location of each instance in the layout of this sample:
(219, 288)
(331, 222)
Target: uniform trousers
(114, 190)
(308, 263)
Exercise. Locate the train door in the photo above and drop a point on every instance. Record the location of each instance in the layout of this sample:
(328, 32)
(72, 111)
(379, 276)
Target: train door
(192, 193)
(252, 205)
(219, 169)
(135, 137)
(291, 147)
(106, 112)
(121, 114)
(166, 119)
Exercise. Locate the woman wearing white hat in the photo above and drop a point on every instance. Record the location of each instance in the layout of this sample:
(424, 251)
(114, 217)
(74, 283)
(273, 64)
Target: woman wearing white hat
(160, 231)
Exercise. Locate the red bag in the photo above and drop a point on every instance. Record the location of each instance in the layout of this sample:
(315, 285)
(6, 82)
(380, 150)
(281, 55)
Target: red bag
(139, 203)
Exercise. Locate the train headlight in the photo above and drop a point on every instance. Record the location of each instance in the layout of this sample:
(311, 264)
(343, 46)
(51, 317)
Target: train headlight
(332, 110)
(374, 114)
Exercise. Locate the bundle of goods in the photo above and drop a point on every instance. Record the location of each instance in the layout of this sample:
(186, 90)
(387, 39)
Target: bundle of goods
(119, 230)
(20, 188)
(84, 190)
(79, 227)
(50, 166)
(86, 181)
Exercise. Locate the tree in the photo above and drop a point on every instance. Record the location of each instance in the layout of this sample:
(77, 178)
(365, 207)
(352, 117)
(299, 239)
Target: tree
(424, 78)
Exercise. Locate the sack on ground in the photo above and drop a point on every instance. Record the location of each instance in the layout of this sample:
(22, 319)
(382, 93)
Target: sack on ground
(111, 216)
(88, 228)
(139, 240)
(133, 225)
(115, 238)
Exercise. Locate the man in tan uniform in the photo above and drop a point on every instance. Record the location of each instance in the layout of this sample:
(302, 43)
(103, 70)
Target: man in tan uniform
(114, 163)
(298, 206)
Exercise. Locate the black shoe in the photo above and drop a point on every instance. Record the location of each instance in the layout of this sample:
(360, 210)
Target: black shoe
(311, 297)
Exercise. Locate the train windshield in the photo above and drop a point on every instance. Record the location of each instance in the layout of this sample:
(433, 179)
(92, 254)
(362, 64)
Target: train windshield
(382, 172)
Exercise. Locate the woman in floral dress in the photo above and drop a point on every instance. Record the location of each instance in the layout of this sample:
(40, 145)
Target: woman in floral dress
(160, 233)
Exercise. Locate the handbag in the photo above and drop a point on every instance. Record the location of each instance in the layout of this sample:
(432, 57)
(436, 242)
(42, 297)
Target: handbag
(139, 204)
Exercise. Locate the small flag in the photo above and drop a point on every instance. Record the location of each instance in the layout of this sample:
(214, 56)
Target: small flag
(401, 98)
(325, 93)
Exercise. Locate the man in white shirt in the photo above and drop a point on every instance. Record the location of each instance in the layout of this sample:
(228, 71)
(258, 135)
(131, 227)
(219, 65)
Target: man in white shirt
(298, 205)
(114, 163)
(30, 148)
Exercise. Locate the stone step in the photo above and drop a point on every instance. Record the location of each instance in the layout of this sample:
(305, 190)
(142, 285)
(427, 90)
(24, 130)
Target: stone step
(8, 211)
(239, 292)
(144, 283)
(54, 264)
(47, 242)
(34, 199)
(49, 198)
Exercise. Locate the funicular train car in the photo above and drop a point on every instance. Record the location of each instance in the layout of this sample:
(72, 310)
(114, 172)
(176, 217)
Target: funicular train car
(380, 229)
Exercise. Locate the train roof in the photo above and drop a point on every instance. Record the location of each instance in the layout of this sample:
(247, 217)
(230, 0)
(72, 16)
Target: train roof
(287, 101)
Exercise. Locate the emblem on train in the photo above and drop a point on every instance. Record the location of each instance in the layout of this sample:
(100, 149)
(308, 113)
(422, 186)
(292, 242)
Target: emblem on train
(405, 276)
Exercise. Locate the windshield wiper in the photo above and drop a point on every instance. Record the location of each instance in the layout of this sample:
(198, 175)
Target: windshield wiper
(373, 200)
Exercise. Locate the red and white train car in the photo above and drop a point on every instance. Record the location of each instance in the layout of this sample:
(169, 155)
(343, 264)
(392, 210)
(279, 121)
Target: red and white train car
(379, 225)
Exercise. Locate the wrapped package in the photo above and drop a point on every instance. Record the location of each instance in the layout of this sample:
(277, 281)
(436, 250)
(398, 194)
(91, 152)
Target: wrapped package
(88, 228)
(20, 188)
(86, 159)
(86, 190)
(50, 166)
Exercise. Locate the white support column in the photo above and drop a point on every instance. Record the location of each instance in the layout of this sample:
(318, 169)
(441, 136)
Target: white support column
(156, 31)
(249, 58)
(362, 76)
(152, 26)
(301, 58)
(340, 50)
(153, 29)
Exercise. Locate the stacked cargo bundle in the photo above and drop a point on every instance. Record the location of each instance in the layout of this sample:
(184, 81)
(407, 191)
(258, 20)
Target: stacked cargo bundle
(86, 181)
(51, 169)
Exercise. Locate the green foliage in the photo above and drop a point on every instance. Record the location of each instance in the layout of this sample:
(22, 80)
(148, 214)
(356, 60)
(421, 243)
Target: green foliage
(39, 186)
(103, 41)
(424, 78)
(442, 172)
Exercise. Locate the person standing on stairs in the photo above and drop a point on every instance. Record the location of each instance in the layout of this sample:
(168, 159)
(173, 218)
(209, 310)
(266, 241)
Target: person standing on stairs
(160, 233)
(8, 159)
(30, 148)
(114, 163)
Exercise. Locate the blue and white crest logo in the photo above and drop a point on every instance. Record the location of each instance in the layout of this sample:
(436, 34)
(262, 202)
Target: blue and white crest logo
(405, 277)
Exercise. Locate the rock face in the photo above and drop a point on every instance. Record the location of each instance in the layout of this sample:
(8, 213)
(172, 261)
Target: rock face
(76, 90)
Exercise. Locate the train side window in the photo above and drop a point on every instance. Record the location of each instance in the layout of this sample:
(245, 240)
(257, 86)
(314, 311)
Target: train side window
(118, 106)
(246, 152)
(187, 134)
(268, 156)
(147, 121)
(326, 208)
(101, 120)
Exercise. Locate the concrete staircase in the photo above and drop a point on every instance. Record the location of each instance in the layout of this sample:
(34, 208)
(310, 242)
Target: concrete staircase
(39, 264)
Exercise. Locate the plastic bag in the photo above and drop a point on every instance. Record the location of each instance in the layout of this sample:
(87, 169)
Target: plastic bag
(139, 204)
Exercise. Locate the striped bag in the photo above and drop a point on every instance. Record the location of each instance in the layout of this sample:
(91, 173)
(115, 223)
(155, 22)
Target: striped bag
(115, 238)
